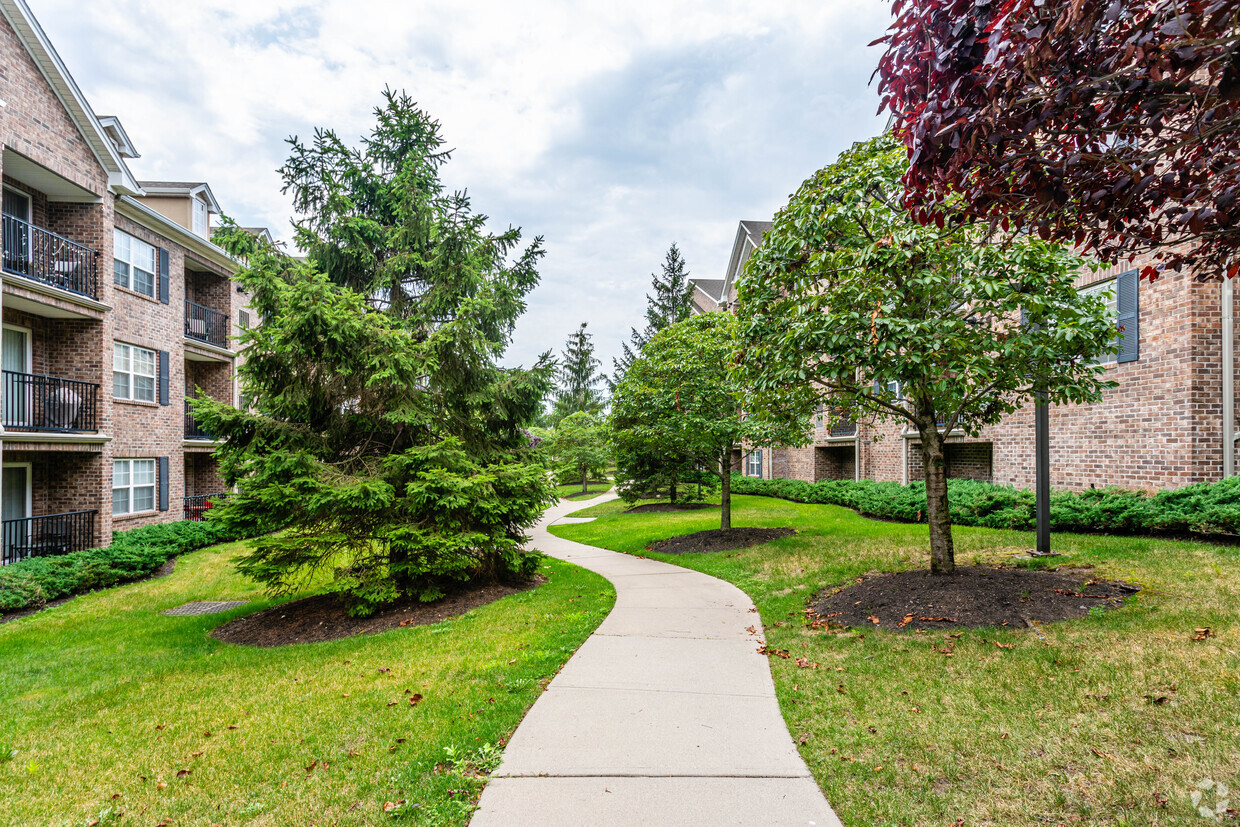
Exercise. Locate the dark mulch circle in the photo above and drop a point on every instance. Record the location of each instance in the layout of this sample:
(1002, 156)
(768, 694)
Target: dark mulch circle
(579, 495)
(973, 596)
(718, 539)
(320, 618)
(659, 508)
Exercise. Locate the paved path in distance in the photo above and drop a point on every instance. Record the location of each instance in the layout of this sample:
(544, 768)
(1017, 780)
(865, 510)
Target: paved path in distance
(665, 716)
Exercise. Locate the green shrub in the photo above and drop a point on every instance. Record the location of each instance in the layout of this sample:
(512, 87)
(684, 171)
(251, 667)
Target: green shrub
(1204, 508)
(135, 553)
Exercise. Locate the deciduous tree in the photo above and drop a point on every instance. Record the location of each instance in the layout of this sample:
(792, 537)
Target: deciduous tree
(679, 408)
(1110, 124)
(577, 449)
(851, 304)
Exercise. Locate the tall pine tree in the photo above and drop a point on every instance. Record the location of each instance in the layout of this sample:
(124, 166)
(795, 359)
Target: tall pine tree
(669, 302)
(579, 377)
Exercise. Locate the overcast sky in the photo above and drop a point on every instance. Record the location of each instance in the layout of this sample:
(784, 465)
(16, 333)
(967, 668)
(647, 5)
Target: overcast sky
(610, 128)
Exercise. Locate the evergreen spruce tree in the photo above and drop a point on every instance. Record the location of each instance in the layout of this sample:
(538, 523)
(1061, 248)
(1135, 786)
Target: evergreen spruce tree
(385, 439)
(579, 378)
(669, 303)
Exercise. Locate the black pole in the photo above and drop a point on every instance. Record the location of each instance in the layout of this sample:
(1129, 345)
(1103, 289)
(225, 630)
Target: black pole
(1042, 447)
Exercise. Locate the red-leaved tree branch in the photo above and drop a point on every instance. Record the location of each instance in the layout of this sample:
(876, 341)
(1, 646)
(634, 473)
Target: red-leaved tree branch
(1113, 125)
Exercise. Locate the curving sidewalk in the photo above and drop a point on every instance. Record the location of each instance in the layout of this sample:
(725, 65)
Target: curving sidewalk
(665, 716)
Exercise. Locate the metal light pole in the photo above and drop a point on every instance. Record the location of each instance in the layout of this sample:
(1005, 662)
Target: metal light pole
(1042, 481)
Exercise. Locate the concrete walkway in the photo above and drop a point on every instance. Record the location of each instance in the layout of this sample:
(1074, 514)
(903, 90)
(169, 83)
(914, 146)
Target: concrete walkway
(665, 716)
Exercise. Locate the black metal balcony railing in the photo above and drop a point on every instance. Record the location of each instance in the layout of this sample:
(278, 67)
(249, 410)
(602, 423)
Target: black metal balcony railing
(48, 535)
(192, 429)
(49, 403)
(37, 254)
(205, 325)
(195, 506)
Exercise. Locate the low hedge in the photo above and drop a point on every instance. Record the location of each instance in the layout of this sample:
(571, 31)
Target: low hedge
(1211, 508)
(135, 553)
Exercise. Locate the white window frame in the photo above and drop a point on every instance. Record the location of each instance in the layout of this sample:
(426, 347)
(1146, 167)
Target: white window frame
(129, 488)
(1096, 289)
(753, 459)
(29, 466)
(130, 373)
(200, 209)
(126, 255)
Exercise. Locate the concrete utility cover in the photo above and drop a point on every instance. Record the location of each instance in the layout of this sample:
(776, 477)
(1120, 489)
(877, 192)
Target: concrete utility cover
(206, 607)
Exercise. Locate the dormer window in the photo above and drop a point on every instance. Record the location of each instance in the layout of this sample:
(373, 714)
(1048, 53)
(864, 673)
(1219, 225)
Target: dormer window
(200, 218)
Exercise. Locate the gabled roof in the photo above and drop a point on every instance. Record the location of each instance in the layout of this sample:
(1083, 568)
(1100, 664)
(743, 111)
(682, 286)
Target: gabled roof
(33, 38)
(120, 139)
(711, 287)
(748, 236)
(185, 188)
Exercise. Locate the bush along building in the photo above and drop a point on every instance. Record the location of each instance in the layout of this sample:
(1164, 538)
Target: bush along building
(1167, 424)
(117, 309)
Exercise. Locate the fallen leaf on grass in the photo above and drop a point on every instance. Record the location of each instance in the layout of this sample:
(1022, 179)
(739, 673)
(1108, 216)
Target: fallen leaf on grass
(183, 773)
(873, 619)
(939, 619)
(803, 738)
(840, 689)
(779, 653)
(1102, 754)
(1004, 645)
(233, 726)
(806, 664)
(161, 785)
(415, 699)
(195, 754)
(511, 662)
(1202, 633)
(160, 726)
(905, 621)
(393, 703)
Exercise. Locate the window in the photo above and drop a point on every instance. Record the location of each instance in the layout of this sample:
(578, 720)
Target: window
(200, 218)
(753, 464)
(1105, 290)
(243, 320)
(133, 263)
(133, 372)
(133, 485)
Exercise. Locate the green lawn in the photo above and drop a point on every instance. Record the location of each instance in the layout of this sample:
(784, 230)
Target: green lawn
(114, 712)
(1109, 720)
(595, 488)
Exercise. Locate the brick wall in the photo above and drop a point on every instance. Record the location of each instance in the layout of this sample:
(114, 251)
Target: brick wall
(202, 475)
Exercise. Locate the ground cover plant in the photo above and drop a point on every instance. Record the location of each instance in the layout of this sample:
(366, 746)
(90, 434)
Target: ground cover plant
(115, 713)
(1117, 718)
(1206, 508)
(136, 553)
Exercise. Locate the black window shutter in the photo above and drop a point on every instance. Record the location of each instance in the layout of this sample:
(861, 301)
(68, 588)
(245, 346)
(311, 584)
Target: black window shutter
(1128, 312)
(760, 469)
(163, 483)
(163, 275)
(163, 377)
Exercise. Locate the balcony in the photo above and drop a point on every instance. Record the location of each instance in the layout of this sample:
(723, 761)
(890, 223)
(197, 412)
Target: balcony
(49, 404)
(45, 257)
(197, 505)
(48, 535)
(192, 429)
(205, 325)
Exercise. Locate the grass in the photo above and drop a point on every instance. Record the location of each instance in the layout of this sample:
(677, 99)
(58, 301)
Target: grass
(1113, 719)
(115, 713)
(595, 488)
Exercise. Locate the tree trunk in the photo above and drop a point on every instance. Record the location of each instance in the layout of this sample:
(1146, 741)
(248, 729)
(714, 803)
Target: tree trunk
(671, 491)
(725, 490)
(585, 480)
(938, 516)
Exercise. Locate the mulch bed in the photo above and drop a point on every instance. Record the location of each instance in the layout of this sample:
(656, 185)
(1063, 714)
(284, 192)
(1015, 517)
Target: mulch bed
(322, 617)
(579, 495)
(718, 539)
(973, 596)
(163, 571)
(660, 508)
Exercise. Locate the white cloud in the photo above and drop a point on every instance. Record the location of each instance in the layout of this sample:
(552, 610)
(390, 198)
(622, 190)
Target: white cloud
(610, 128)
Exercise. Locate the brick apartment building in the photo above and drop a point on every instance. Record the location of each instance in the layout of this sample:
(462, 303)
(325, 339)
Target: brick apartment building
(116, 309)
(1161, 427)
